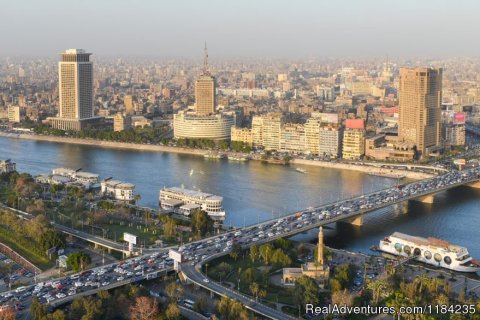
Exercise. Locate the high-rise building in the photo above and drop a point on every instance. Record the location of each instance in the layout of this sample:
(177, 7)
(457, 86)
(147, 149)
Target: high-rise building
(420, 98)
(204, 123)
(75, 73)
(205, 90)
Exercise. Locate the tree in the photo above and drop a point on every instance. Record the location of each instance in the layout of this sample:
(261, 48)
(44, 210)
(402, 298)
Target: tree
(145, 308)
(37, 226)
(342, 297)
(266, 252)
(201, 304)
(253, 253)
(231, 309)
(50, 239)
(345, 273)
(8, 314)
(280, 258)
(235, 251)
(377, 287)
(78, 261)
(169, 228)
(249, 275)
(172, 312)
(222, 270)
(306, 291)
(201, 223)
(254, 289)
(57, 315)
(38, 311)
(174, 291)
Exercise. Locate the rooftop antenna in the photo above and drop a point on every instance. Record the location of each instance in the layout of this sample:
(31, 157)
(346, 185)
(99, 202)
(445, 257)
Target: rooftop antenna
(205, 60)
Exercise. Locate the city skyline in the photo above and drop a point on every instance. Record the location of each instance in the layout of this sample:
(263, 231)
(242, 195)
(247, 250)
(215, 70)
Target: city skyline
(273, 29)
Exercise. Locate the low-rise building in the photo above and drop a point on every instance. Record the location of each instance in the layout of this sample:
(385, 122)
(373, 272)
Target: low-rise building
(292, 138)
(330, 141)
(353, 139)
(242, 135)
(118, 190)
(379, 147)
(14, 114)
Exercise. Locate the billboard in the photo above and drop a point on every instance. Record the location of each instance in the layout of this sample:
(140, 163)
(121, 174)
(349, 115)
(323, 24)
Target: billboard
(459, 162)
(175, 255)
(130, 238)
(51, 250)
(459, 118)
(355, 124)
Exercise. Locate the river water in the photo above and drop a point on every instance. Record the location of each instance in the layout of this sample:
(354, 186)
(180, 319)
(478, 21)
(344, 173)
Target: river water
(254, 191)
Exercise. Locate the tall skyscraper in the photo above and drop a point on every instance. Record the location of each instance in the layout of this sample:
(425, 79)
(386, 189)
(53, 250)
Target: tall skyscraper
(420, 95)
(205, 90)
(75, 73)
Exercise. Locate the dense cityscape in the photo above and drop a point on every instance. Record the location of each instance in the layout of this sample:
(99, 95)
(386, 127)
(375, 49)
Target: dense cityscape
(220, 187)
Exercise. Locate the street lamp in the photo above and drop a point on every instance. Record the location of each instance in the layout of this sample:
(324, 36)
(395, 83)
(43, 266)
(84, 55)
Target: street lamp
(238, 287)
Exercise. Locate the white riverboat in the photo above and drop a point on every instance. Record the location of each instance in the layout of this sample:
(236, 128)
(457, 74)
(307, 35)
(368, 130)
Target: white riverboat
(184, 201)
(431, 251)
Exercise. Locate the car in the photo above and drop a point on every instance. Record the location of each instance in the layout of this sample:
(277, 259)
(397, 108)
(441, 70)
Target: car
(206, 280)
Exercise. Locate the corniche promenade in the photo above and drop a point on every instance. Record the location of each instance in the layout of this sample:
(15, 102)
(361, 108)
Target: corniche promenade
(198, 152)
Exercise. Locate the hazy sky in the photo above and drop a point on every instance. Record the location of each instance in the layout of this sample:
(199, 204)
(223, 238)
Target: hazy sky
(246, 28)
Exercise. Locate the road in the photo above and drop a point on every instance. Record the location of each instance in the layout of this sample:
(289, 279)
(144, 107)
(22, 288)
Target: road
(197, 277)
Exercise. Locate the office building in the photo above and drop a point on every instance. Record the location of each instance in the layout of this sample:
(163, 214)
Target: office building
(14, 114)
(187, 125)
(420, 97)
(75, 72)
(205, 90)
(204, 123)
(353, 139)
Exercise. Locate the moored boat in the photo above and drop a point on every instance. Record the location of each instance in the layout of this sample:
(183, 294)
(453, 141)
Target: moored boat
(431, 251)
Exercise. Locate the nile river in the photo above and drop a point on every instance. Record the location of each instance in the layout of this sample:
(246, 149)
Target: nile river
(254, 191)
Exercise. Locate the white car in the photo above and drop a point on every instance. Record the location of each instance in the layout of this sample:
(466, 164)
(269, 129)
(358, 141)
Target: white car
(60, 295)
(206, 280)
(78, 284)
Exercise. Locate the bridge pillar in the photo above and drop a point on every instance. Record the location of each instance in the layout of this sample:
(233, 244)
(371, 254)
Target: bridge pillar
(401, 207)
(426, 199)
(357, 221)
(475, 185)
(96, 246)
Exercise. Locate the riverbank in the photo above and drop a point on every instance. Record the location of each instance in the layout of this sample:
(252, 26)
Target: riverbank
(387, 172)
(198, 152)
